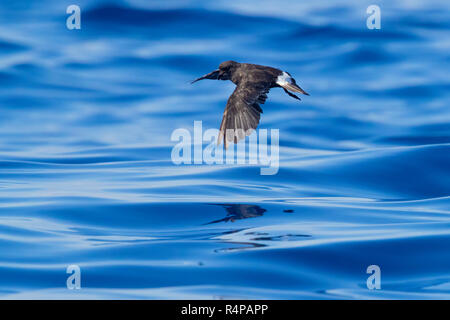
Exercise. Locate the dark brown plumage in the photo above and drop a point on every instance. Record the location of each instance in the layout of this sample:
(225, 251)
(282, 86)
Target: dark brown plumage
(253, 82)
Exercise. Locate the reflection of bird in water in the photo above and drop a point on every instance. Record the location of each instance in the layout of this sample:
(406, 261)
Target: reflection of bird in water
(239, 211)
(253, 82)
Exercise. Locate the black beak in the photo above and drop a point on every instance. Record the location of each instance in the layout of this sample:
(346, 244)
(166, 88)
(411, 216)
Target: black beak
(212, 75)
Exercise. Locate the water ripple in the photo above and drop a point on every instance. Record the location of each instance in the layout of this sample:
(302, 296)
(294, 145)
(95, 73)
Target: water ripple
(86, 176)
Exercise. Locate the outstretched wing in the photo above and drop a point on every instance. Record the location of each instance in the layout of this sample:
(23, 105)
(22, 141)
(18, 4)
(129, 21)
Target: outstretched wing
(242, 113)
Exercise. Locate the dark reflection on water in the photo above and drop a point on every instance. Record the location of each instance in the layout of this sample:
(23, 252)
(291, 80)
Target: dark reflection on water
(286, 237)
(239, 211)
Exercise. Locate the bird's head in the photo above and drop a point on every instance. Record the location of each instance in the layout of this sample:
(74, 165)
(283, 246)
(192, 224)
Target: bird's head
(223, 73)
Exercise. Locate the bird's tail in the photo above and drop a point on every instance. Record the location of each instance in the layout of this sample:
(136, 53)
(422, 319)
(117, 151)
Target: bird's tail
(294, 88)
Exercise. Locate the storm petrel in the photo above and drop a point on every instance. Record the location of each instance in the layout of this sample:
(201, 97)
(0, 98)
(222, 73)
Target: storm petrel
(253, 82)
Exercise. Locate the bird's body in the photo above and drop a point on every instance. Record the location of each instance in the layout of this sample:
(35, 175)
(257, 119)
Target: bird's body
(253, 82)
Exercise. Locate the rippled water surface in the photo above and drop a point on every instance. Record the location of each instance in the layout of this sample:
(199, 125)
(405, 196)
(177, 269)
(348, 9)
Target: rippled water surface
(86, 176)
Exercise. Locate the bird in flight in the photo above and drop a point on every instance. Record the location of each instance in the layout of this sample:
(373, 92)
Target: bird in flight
(253, 82)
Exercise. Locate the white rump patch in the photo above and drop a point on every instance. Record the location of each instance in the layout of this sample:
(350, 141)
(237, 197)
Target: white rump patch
(284, 79)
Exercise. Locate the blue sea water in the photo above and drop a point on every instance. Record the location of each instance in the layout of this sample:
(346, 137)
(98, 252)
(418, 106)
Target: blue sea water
(86, 176)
